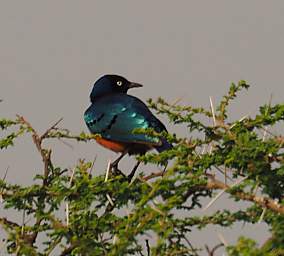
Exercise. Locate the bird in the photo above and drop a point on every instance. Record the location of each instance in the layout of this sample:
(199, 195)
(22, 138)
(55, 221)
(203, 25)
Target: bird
(114, 114)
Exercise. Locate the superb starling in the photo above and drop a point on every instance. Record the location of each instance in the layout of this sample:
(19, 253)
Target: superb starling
(114, 115)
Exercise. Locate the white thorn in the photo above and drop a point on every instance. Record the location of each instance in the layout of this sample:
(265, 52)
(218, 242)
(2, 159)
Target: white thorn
(222, 239)
(71, 178)
(67, 214)
(222, 191)
(213, 111)
(115, 239)
(109, 199)
(264, 134)
(240, 120)
(262, 216)
(108, 170)
(213, 200)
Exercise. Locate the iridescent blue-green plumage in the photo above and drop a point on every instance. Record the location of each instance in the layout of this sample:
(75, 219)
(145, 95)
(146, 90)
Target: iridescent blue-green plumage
(114, 115)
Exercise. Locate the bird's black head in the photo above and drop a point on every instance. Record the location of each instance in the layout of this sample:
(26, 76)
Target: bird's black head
(109, 84)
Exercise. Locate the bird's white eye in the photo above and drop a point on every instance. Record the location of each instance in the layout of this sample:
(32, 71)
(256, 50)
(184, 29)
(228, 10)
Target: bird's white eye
(119, 83)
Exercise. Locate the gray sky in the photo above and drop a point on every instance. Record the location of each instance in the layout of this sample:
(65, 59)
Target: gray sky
(51, 52)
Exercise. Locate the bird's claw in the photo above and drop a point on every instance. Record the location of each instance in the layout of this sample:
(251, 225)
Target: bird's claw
(115, 170)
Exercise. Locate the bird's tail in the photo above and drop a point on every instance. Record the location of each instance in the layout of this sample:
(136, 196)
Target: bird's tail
(165, 146)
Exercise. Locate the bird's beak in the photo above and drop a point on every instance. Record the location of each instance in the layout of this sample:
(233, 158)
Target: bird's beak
(134, 85)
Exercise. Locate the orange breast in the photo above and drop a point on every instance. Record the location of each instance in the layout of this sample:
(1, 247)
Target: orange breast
(114, 146)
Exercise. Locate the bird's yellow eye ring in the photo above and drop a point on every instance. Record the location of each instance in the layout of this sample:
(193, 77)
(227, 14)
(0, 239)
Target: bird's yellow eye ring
(119, 83)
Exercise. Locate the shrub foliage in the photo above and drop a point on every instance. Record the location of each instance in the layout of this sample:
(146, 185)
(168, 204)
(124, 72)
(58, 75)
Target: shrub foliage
(153, 214)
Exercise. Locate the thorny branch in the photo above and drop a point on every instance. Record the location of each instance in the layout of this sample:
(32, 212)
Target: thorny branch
(7, 223)
(261, 201)
(213, 183)
(45, 154)
(46, 158)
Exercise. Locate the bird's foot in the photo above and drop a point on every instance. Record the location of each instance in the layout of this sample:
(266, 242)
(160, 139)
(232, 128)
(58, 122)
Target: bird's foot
(114, 165)
(165, 169)
(115, 170)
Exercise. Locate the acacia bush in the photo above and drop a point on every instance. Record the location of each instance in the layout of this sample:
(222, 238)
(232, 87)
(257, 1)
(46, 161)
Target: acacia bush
(107, 215)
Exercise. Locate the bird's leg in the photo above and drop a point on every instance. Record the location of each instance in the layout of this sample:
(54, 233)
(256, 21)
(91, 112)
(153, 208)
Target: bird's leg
(130, 176)
(114, 164)
(165, 168)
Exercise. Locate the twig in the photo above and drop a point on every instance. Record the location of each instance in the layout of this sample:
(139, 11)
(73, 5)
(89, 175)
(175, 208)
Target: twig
(266, 128)
(23, 222)
(144, 181)
(69, 145)
(153, 175)
(190, 245)
(269, 132)
(27, 221)
(67, 204)
(156, 209)
(65, 134)
(2, 190)
(32, 238)
(6, 222)
(51, 128)
(68, 250)
(93, 164)
(212, 251)
(102, 241)
(6, 172)
(224, 173)
(53, 245)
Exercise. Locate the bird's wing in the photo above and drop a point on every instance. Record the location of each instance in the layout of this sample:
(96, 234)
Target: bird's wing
(116, 117)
